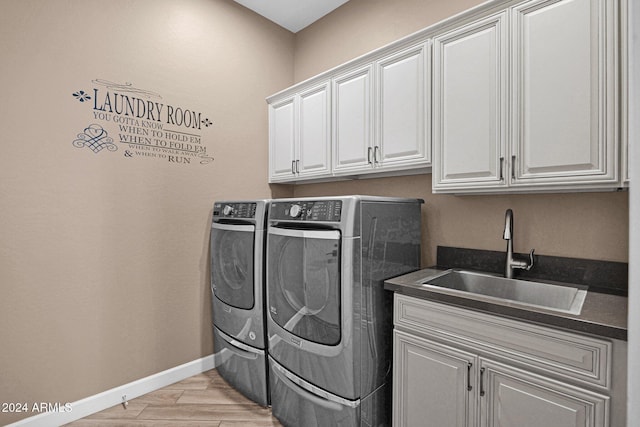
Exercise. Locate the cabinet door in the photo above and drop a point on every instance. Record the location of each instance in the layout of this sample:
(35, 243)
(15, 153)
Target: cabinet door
(314, 124)
(432, 384)
(514, 398)
(282, 140)
(625, 126)
(469, 106)
(403, 120)
(352, 126)
(564, 93)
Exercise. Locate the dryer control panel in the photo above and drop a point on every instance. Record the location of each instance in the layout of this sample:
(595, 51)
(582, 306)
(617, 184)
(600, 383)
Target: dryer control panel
(234, 210)
(305, 210)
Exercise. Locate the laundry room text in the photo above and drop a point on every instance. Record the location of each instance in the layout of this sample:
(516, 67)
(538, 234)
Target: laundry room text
(138, 124)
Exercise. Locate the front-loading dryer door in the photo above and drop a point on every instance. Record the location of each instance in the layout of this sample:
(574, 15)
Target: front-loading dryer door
(232, 264)
(303, 281)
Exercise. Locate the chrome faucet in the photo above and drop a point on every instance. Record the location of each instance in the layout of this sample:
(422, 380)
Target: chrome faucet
(511, 263)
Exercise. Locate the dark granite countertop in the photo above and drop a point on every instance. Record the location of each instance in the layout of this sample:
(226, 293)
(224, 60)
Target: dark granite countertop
(602, 314)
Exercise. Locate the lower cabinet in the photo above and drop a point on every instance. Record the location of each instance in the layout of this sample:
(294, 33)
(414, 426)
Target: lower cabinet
(447, 375)
(433, 384)
(439, 385)
(513, 398)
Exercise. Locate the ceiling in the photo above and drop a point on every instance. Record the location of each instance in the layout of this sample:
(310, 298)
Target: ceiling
(294, 15)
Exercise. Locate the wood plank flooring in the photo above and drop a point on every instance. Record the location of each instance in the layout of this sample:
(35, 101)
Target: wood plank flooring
(204, 400)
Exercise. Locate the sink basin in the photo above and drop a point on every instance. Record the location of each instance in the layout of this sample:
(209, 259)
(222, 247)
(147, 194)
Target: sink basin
(557, 297)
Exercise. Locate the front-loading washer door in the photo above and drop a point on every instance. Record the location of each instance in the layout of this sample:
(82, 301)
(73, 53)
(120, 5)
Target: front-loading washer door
(232, 264)
(303, 277)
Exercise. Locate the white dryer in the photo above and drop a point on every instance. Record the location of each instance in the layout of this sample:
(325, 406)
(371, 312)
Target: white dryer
(238, 284)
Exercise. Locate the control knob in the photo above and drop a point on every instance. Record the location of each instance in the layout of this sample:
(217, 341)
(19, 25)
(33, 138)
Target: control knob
(228, 210)
(295, 211)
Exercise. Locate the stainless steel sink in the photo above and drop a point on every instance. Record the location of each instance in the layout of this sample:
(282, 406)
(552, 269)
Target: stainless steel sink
(557, 297)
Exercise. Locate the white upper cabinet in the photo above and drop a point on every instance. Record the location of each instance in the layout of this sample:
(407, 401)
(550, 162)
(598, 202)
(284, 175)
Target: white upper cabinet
(352, 117)
(403, 128)
(381, 120)
(624, 91)
(540, 116)
(314, 132)
(361, 120)
(564, 93)
(512, 96)
(299, 135)
(282, 139)
(470, 105)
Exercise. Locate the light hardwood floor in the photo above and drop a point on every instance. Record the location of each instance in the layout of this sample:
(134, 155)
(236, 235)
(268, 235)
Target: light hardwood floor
(203, 400)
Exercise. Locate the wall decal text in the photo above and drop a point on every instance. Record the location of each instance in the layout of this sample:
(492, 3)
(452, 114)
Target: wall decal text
(144, 123)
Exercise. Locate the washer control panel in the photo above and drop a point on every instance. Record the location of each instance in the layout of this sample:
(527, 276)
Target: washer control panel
(234, 210)
(320, 210)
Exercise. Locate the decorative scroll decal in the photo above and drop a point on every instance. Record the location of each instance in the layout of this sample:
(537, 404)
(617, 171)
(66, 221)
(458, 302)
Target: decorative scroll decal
(144, 123)
(96, 138)
(127, 88)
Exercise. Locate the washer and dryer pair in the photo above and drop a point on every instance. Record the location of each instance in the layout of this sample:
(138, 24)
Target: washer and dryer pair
(326, 319)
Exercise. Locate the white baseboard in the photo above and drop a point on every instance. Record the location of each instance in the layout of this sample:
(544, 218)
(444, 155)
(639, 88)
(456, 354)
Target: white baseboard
(101, 401)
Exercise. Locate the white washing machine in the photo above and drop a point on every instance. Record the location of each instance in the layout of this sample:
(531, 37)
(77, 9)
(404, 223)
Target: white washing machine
(329, 319)
(238, 284)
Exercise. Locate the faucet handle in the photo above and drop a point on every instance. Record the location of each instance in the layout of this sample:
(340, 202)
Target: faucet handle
(530, 265)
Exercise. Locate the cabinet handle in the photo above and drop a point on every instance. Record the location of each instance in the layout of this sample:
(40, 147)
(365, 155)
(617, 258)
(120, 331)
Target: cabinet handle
(293, 167)
(513, 167)
(369, 155)
(481, 381)
(501, 168)
(469, 387)
(376, 151)
(297, 166)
